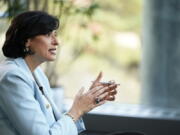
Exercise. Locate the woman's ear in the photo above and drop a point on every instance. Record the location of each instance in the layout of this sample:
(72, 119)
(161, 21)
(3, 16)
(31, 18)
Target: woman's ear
(27, 48)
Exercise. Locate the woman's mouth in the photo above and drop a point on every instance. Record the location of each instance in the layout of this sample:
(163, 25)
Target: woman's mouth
(52, 51)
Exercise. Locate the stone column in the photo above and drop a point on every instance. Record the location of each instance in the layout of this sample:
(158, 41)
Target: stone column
(161, 53)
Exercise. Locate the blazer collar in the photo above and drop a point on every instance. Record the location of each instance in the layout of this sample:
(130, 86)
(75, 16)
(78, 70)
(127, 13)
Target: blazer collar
(22, 63)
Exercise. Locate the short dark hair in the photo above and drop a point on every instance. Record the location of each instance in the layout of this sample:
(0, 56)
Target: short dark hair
(24, 26)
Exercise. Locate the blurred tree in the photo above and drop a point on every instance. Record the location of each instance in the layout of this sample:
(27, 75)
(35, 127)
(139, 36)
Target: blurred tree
(15, 7)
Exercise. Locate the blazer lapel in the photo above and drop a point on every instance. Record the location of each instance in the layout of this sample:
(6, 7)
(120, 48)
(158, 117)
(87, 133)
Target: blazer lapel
(46, 94)
(21, 62)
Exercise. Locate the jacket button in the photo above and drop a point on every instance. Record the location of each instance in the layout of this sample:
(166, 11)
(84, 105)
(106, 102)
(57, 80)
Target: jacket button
(47, 106)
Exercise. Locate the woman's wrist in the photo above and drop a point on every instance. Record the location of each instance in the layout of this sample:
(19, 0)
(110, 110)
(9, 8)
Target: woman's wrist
(75, 115)
(70, 115)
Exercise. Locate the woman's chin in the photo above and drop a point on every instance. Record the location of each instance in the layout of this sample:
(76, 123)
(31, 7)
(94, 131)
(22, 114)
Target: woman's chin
(52, 59)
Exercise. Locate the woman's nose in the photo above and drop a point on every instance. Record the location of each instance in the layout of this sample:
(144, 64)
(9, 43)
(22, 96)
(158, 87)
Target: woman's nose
(55, 41)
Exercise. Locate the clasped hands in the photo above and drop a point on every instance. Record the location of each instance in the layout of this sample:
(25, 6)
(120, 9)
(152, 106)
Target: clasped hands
(98, 93)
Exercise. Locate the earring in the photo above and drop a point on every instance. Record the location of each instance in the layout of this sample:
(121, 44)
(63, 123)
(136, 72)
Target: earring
(26, 49)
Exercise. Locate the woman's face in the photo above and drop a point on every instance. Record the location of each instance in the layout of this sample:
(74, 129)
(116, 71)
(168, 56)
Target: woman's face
(44, 46)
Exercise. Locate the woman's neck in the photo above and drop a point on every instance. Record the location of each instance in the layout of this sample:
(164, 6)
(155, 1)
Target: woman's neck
(32, 63)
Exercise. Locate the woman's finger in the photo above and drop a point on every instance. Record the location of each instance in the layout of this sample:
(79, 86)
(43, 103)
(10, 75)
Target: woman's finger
(110, 98)
(112, 86)
(97, 88)
(100, 103)
(98, 77)
(81, 91)
(102, 96)
(96, 80)
(113, 92)
(100, 91)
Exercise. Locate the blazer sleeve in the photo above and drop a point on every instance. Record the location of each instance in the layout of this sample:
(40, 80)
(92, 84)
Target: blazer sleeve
(24, 112)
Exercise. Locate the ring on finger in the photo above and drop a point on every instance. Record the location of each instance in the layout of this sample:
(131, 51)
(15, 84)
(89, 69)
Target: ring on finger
(97, 100)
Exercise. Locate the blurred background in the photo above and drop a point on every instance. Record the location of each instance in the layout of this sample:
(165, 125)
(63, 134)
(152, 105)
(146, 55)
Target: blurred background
(133, 42)
(94, 36)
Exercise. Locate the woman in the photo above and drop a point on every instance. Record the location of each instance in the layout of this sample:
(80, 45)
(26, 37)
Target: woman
(26, 105)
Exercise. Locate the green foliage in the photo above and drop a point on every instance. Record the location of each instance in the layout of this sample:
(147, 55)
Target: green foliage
(15, 9)
(87, 11)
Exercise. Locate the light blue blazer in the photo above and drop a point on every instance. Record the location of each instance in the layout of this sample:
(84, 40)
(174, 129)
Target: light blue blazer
(24, 109)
